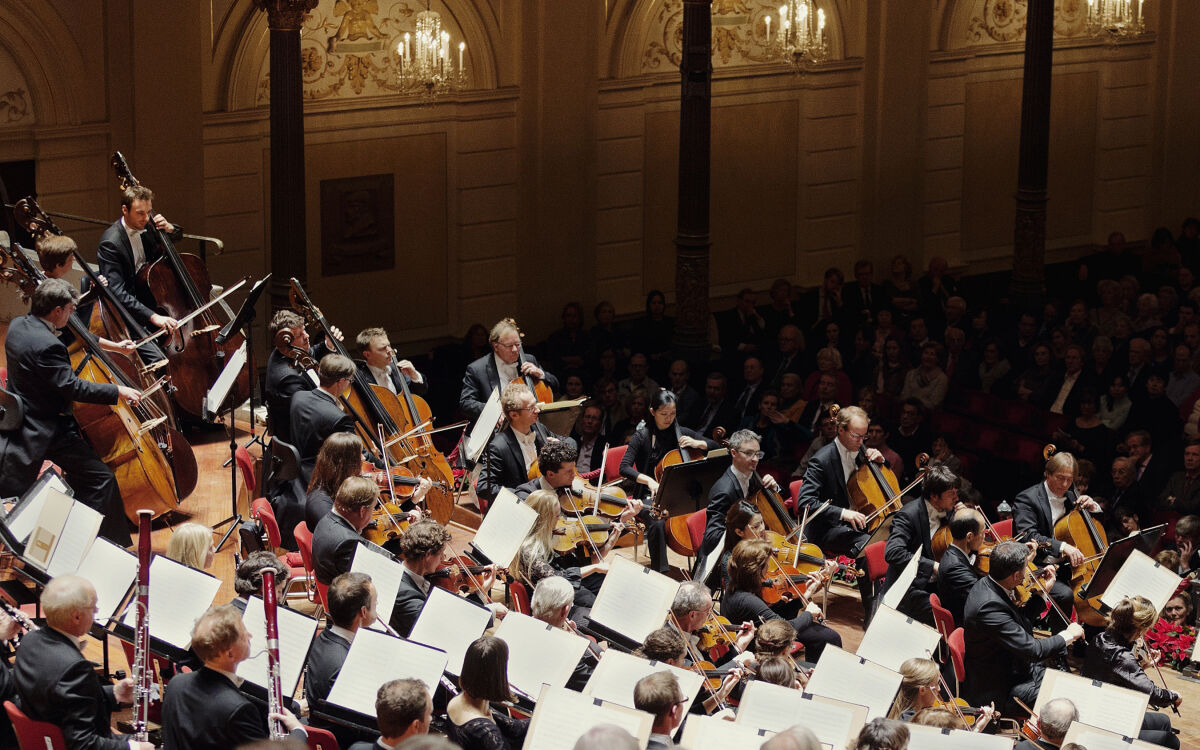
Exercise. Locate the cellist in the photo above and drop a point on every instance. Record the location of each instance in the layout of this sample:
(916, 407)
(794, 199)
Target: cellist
(40, 373)
(379, 368)
(284, 378)
(1035, 512)
(504, 365)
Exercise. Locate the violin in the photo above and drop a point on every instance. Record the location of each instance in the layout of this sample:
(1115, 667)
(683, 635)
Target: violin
(805, 557)
(1079, 529)
(589, 499)
(459, 574)
(787, 583)
(582, 531)
(716, 631)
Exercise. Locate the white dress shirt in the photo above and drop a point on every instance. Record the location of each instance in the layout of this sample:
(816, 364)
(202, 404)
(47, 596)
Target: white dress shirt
(135, 242)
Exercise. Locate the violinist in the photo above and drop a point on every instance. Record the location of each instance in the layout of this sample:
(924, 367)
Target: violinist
(659, 695)
(667, 645)
(40, 373)
(693, 607)
(339, 459)
(651, 441)
(913, 528)
(503, 365)
(1035, 512)
(317, 414)
(508, 458)
(126, 246)
(378, 365)
(839, 528)
(1003, 659)
(338, 534)
(284, 378)
(748, 572)
(1115, 658)
(551, 603)
(1053, 722)
(423, 547)
(742, 521)
(740, 481)
(55, 253)
(920, 689)
(957, 573)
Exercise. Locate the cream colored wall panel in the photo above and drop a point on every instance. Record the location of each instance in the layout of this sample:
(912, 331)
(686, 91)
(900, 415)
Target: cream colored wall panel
(232, 195)
(1116, 195)
(945, 121)
(624, 293)
(832, 199)
(228, 268)
(617, 122)
(622, 154)
(482, 310)
(1120, 73)
(946, 245)
(238, 158)
(828, 233)
(240, 232)
(830, 133)
(1113, 164)
(946, 90)
(487, 204)
(624, 189)
(989, 164)
(1124, 102)
(944, 153)
(943, 184)
(485, 277)
(486, 168)
(617, 260)
(493, 239)
(75, 172)
(1124, 131)
(942, 217)
(1130, 221)
(485, 135)
(832, 102)
(618, 224)
(839, 165)
(1072, 170)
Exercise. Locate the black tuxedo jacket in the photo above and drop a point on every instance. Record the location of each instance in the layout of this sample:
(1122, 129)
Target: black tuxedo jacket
(333, 545)
(503, 464)
(1000, 646)
(283, 381)
(481, 377)
(417, 389)
(721, 497)
(56, 684)
(315, 417)
(325, 659)
(116, 264)
(1032, 517)
(204, 710)
(409, 601)
(732, 330)
(857, 308)
(910, 536)
(824, 479)
(956, 577)
(40, 373)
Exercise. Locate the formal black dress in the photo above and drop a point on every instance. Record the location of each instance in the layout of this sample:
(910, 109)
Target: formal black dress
(504, 733)
(204, 710)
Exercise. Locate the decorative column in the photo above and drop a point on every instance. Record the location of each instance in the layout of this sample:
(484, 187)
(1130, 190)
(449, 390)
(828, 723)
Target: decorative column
(692, 237)
(288, 247)
(1029, 234)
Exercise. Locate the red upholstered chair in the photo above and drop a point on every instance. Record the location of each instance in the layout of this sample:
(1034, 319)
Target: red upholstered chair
(794, 488)
(958, 652)
(321, 739)
(612, 463)
(34, 735)
(262, 511)
(245, 463)
(942, 617)
(313, 591)
(686, 544)
(1003, 528)
(876, 565)
(520, 597)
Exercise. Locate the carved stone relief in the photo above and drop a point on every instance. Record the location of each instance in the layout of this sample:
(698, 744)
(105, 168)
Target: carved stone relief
(739, 34)
(1004, 20)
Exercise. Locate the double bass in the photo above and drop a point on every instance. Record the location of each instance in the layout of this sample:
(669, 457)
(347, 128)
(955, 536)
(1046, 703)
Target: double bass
(180, 285)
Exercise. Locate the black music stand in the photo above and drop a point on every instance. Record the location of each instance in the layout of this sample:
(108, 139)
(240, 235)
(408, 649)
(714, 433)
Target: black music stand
(12, 412)
(684, 487)
(244, 321)
(1116, 555)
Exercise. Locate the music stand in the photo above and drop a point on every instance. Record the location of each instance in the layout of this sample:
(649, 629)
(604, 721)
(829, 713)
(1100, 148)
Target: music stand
(684, 487)
(12, 412)
(244, 321)
(1115, 556)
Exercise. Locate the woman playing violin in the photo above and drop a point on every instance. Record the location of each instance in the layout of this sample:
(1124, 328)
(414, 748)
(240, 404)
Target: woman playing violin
(748, 571)
(667, 645)
(920, 689)
(340, 457)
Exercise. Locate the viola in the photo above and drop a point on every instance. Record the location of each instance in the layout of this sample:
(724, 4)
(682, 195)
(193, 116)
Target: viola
(786, 583)
(960, 707)
(716, 631)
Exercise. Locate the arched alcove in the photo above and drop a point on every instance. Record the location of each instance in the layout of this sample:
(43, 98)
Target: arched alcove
(48, 60)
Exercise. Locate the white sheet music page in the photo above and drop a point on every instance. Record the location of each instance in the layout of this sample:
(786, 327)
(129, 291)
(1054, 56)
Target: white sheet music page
(633, 600)
(376, 658)
(931, 738)
(893, 637)
(385, 574)
(1116, 709)
(47, 527)
(617, 673)
(895, 593)
(481, 433)
(178, 596)
(450, 623)
(112, 570)
(25, 513)
(1094, 738)
(78, 534)
(538, 654)
(708, 733)
(845, 677)
(505, 526)
(1140, 575)
(775, 708)
(563, 716)
(296, 632)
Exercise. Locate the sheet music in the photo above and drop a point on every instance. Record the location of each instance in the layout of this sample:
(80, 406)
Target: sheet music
(895, 593)
(845, 677)
(931, 738)
(618, 673)
(215, 398)
(450, 623)
(775, 708)
(1094, 738)
(538, 654)
(893, 637)
(178, 596)
(481, 433)
(78, 534)
(709, 733)
(112, 571)
(563, 716)
(24, 514)
(385, 574)
(376, 658)
(1140, 575)
(1100, 704)
(47, 527)
(507, 523)
(296, 633)
(633, 600)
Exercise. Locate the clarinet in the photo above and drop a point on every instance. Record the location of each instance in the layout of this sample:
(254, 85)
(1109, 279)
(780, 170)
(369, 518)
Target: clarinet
(21, 619)
(274, 687)
(143, 677)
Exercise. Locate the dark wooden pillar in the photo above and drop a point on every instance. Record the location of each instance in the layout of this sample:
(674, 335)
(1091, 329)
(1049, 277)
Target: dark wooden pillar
(288, 247)
(692, 238)
(1029, 233)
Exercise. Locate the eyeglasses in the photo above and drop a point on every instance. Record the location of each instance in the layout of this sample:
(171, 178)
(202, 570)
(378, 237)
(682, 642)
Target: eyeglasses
(753, 454)
(857, 435)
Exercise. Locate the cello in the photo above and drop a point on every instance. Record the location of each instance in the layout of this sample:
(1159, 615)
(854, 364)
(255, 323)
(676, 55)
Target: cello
(180, 285)
(1078, 528)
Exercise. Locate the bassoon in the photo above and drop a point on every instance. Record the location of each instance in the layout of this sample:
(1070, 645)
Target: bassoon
(143, 677)
(274, 686)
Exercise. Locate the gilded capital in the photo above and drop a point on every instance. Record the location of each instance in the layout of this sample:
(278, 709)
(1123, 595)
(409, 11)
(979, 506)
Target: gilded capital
(285, 15)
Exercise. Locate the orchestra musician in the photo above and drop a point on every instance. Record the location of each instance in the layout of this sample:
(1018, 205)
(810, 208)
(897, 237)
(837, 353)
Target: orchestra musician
(284, 379)
(551, 603)
(339, 459)
(693, 606)
(352, 600)
(920, 688)
(317, 414)
(403, 709)
(1037, 509)
(473, 724)
(378, 367)
(957, 573)
(204, 710)
(667, 645)
(739, 482)
(498, 368)
(1003, 659)
(507, 459)
(913, 528)
(338, 534)
(839, 529)
(1055, 718)
(55, 683)
(126, 246)
(40, 373)
(55, 254)
(247, 579)
(659, 695)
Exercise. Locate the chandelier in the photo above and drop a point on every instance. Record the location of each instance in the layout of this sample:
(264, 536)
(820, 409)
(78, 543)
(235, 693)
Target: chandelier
(1116, 19)
(426, 67)
(799, 37)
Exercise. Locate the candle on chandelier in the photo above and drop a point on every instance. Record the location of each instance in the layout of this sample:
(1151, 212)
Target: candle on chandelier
(462, 46)
(820, 21)
(767, 20)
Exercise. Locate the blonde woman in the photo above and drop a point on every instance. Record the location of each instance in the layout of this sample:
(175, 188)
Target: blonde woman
(192, 544)
(920, 689)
